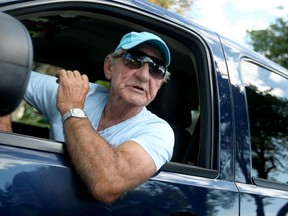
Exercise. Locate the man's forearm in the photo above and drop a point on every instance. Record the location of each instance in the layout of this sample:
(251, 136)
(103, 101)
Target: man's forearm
(101, 166)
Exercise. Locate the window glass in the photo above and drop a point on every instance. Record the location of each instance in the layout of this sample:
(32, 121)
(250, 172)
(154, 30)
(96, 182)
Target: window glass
(267, 97)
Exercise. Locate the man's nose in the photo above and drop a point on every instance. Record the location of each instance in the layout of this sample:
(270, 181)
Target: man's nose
(143, 72)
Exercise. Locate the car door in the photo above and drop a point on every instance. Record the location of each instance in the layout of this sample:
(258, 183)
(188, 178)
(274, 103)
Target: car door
(260, 102)
(266, 95)
(195, 102)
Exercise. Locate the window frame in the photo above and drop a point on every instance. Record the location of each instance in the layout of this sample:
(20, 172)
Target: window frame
(181, 33)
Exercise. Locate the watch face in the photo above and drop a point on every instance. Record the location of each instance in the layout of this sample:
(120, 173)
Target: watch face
(78, 112)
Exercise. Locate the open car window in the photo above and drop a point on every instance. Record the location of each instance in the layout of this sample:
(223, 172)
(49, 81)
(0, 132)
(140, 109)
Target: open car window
(79, 38)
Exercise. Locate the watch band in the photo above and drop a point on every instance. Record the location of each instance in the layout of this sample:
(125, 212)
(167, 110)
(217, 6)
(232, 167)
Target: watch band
(75, 112)
(66, 116)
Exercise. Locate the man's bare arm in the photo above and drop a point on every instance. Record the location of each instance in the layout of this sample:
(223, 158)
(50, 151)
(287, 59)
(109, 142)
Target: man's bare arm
(108, 172)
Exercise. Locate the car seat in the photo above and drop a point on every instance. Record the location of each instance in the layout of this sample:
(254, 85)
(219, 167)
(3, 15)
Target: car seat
(174, 104)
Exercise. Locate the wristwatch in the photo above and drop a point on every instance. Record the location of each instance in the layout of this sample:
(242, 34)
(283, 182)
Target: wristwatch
(75, 112)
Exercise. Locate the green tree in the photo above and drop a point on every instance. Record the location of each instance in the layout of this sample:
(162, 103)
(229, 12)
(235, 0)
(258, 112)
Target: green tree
(272, 42)
(163, 3)
(176, 5)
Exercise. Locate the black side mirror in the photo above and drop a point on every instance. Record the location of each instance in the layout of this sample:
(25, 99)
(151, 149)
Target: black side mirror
(16, 58)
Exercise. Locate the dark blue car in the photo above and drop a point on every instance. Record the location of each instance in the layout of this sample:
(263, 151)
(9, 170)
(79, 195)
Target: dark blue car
(228, 107)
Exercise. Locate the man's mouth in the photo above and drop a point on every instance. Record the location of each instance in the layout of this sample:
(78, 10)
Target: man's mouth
(139, 88)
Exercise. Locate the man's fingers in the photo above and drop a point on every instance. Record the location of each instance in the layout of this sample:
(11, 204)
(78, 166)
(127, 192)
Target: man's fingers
(70, 75)
(85, 78)
(77, 74)
(61, 73)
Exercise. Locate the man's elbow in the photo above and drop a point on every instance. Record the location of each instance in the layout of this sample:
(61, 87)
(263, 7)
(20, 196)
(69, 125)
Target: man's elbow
(107, 194)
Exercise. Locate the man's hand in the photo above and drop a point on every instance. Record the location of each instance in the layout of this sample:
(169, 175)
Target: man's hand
(6, 123)
(72, 91)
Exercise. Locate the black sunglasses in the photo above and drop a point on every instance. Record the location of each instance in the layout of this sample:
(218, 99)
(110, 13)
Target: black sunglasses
(135, 59)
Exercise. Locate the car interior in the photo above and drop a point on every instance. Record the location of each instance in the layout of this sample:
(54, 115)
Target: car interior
(80, 40)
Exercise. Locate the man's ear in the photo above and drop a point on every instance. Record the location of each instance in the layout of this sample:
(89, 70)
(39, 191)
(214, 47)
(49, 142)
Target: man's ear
(108, 63)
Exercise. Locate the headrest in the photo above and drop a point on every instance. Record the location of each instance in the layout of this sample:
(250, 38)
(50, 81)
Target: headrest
(16, 58)
(174, 101)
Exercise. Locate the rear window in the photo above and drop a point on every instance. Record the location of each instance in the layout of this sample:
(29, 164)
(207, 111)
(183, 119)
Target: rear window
(267, 98)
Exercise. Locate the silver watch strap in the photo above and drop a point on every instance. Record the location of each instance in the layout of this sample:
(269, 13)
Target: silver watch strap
(67, 115)
(73, 113)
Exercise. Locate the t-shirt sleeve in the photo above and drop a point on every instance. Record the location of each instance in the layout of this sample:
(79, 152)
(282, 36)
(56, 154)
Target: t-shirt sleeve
(158, 140)
(41, 93)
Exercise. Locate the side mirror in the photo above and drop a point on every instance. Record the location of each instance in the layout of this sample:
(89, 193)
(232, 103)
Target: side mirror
(16, 58)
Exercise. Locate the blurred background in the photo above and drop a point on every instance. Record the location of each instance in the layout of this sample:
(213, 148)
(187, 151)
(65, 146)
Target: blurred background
(261, 25)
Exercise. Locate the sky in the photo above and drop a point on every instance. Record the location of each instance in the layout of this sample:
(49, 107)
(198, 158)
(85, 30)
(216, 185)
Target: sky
(231, 18)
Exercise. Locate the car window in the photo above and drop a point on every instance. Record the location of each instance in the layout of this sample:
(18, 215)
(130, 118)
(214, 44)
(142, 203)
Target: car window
(80, 40)
(267, 99)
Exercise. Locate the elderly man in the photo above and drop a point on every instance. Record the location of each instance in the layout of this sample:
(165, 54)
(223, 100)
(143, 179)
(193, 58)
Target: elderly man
(114, 142)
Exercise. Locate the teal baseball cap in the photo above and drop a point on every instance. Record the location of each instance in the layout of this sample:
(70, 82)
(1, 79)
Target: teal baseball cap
(134, 39)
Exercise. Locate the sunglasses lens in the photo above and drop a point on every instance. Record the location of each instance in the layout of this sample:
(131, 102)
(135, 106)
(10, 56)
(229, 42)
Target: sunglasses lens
(136, 59)
(132, 61)
(157, 71)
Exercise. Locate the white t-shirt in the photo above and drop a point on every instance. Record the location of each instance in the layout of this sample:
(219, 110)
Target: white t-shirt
(151, 132)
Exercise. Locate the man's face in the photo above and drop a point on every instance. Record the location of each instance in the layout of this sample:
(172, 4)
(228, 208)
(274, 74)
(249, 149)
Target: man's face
(135, 86)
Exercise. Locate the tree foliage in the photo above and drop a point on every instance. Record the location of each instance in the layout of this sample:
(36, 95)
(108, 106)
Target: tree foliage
(272, 42)
(163, 3)
(176, 5)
